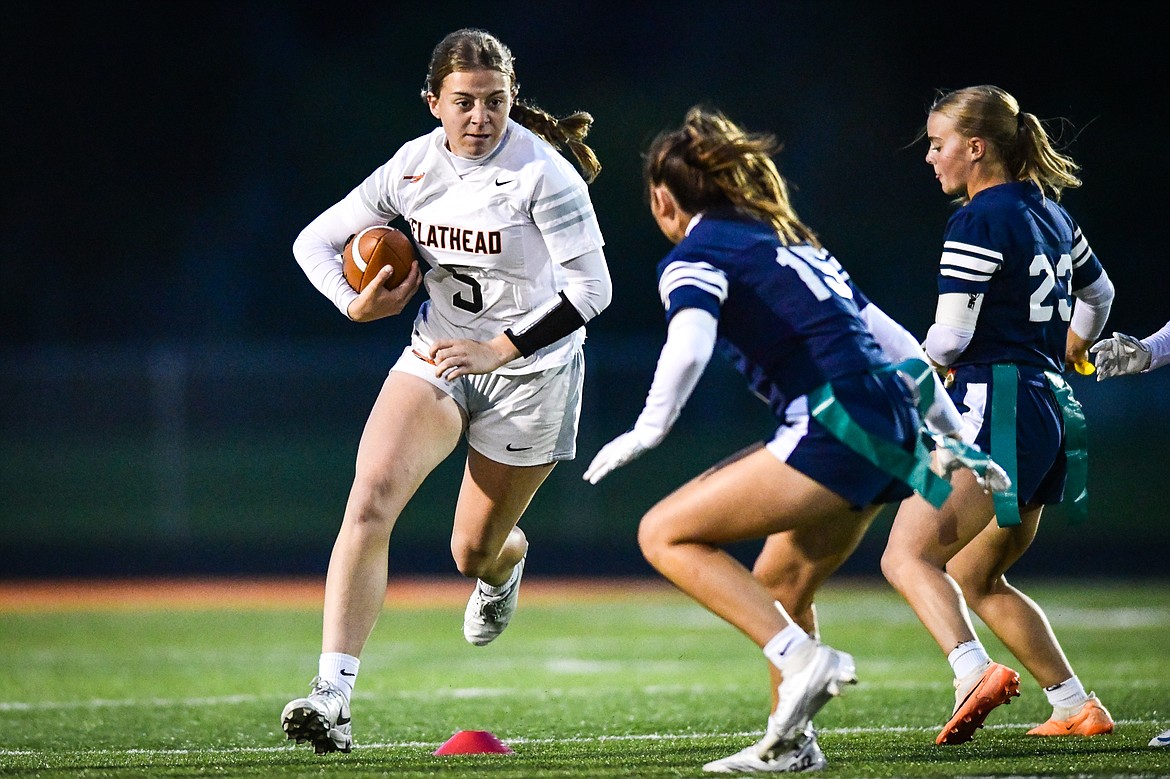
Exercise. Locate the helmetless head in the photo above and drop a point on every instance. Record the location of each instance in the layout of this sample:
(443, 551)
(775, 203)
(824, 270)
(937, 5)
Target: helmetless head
(710, 162)
(979, 137)
(470, 88)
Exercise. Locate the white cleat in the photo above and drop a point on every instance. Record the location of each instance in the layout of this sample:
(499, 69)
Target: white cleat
(321, 719)
(486, 616)
(1161, 740)
(763, 757)
(810, 678)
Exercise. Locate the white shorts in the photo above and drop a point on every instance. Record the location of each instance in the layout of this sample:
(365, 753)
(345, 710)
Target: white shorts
(530, 419)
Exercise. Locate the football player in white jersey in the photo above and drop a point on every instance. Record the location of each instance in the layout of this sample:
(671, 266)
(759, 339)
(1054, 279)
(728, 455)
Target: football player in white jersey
(515, 269)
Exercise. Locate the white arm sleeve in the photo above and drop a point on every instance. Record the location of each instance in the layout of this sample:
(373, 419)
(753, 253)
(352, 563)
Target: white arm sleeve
(690, 342)
(942, 417)
(1092, 308)
(587, 284)
(318, 248)
(1159, 345)
(944, 343)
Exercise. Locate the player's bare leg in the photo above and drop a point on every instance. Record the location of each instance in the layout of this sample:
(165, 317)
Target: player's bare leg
(922, 542)
(487, 544)
(411, 428)
(979, 570)
(1023, 627)
(682, 537)
(793, 566)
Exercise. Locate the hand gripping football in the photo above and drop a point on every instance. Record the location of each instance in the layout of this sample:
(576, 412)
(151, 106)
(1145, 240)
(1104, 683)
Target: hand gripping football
(372, 249)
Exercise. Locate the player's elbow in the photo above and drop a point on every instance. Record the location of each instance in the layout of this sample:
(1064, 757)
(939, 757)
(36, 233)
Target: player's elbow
(603, 295)
(590, 297)
(588, 286)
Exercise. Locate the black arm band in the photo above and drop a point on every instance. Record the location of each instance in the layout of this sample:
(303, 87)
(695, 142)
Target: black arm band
(560, 320)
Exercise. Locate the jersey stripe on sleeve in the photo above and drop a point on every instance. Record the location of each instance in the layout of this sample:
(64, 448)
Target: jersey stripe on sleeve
(969, 263)
(564, 209)
(696, 274)
(1081, 251)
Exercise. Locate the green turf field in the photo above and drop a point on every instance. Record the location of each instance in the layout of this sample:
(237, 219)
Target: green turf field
(650, 686)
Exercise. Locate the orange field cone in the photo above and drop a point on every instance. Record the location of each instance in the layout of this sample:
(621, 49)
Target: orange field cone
(473, 742)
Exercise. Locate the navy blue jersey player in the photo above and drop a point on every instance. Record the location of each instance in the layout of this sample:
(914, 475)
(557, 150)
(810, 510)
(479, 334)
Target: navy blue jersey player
(1021, 296)
(1011, 259)
(794, 323)
(748, 274)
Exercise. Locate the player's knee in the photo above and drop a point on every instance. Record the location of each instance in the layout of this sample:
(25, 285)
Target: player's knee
(371, 520)
(893, 566)
(976, 587)
(470, 561)
(373, 503)
(654, 536)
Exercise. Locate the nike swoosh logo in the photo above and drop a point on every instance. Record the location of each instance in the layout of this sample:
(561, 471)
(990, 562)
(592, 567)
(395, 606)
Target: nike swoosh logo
(414, 179)
(511, 448)
(502, 183)
(346, 673)
(342, 721)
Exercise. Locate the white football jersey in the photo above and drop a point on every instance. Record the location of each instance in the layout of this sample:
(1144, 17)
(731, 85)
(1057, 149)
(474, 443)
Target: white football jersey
(494, 232)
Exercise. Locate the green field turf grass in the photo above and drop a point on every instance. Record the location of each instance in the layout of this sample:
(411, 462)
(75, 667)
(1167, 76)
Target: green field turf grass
(610, 686)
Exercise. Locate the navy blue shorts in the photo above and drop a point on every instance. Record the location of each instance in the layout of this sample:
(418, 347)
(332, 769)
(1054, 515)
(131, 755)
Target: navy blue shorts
(879, 403)
(1040, 460)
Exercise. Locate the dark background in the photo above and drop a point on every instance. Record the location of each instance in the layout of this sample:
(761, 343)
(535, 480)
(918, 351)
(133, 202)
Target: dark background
(176, 397)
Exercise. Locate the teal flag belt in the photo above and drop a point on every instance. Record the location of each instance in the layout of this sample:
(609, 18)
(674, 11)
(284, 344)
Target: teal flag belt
(1004, 383)
(1004, 386)
(911, 467)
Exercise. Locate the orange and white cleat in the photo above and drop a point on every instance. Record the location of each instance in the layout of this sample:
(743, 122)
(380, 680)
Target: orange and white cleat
(975, 699)
(1091, 719)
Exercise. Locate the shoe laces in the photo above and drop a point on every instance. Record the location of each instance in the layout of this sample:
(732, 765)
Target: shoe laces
(768, 748)
(322, 688)
(493, 607)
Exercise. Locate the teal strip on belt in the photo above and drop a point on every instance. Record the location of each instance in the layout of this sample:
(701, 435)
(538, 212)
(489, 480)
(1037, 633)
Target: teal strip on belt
(1005, 385)
(968, 455)
(1005, 382)
(912, 468)
(1076, 447)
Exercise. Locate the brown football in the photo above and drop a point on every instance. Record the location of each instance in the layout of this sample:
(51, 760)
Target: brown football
(374, 248)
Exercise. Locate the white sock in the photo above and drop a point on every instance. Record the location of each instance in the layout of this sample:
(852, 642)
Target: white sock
(1069, 694)
(490, 589)
(967, 658)
(340, 670)
(785, 643)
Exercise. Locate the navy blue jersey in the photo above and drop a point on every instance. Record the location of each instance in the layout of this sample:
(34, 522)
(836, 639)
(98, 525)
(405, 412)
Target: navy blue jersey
(1026, 255)
(788, 316)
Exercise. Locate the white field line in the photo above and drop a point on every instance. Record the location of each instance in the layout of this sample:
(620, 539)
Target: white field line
(1151, 724)
(457, 693)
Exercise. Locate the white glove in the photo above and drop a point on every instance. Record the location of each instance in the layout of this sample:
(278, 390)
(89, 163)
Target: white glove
(621, 450)
(1120, 355)
(952, 454)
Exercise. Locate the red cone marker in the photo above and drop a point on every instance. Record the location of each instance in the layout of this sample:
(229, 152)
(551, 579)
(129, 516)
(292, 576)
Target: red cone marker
(473, 742)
